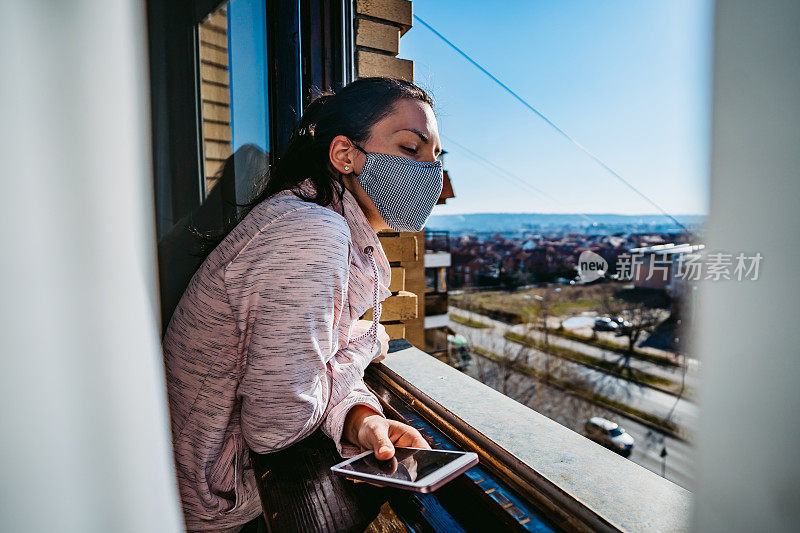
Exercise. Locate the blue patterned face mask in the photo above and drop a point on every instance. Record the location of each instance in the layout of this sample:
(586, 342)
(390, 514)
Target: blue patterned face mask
(403, 190)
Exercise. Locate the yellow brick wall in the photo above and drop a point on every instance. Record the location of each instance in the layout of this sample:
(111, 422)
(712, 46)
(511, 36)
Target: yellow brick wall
(415, 282)
(378, 27)
(215, 94)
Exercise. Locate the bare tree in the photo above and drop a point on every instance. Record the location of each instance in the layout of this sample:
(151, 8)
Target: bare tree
(501, 367)
(566, 393)
(638, 319)
(518, 371)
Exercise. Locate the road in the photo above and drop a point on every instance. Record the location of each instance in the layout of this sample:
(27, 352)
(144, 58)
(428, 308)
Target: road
(674, 374)
(612, 337)
(647, 449)
(655, 402)
(648, 443)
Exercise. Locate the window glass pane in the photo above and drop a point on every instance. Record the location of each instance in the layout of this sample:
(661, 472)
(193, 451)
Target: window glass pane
(430, 279)
(233, 89)
(231, 69)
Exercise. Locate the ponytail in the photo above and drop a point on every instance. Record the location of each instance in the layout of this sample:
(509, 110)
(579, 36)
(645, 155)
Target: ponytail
(352, 112)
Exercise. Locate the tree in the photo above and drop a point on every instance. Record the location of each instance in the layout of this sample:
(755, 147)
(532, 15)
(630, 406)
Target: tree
(638, 319)
(518, 371)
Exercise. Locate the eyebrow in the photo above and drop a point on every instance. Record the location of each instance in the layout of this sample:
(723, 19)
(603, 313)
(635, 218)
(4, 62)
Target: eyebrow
(421, 135)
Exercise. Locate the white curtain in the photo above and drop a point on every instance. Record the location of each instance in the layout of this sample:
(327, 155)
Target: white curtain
(748, 475)
(84, 429)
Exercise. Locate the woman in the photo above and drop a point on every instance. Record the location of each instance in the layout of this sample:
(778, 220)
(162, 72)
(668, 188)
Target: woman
(266, 344)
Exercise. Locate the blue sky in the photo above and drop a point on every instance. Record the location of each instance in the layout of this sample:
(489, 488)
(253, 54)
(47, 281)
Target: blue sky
(248, 50)
(630, 80)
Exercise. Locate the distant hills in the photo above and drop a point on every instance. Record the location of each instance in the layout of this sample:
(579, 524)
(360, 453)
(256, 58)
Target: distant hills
(515, 222)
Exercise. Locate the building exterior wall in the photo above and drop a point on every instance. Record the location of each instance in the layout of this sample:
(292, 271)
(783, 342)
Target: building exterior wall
(653, 273)
(415, 282)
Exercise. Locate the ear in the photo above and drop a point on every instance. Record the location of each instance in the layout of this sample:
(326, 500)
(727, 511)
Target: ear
(342, 154)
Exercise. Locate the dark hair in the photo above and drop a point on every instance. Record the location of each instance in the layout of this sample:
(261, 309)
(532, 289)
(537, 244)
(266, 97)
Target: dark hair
(352, 111)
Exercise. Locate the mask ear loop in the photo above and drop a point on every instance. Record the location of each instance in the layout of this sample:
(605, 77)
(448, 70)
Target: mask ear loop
(362, 151)
(359, 148)
(340, 174)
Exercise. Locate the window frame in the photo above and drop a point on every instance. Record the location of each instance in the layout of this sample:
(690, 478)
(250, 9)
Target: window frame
(176, 106)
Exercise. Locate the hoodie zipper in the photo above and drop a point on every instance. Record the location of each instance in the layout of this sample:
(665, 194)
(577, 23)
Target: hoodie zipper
(376, 307)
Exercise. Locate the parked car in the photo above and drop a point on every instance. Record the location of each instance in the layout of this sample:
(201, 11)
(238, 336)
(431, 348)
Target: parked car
(623, 326)
(604, 324)
(610, 435)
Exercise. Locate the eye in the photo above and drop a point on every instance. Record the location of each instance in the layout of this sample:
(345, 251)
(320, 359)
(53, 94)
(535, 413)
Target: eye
(409, 150)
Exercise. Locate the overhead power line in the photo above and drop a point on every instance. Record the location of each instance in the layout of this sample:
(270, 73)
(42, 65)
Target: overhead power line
(520, 181)
(552, 124)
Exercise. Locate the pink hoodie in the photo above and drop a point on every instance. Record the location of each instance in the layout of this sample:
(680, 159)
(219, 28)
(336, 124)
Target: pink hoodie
(263, 347)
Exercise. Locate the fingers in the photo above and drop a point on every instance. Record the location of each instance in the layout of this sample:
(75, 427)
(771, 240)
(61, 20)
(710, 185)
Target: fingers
(382, 332)
(404, 435)
(383, 339)
(379, 440)
(381, 435)
(360, 326)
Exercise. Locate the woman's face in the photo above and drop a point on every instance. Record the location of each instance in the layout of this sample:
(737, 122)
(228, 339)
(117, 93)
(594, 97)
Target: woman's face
(409, 131)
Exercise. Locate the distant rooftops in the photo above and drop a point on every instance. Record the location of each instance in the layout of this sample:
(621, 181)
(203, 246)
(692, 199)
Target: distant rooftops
(668, 249)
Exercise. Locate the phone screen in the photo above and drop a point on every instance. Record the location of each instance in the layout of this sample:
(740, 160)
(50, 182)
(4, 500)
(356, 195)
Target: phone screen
(406, 465)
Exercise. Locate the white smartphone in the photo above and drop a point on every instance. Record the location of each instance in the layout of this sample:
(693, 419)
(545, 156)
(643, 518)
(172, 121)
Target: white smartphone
(413, 469)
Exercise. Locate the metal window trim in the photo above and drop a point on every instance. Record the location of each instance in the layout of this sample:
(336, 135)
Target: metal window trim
(348, 40)
(198, 115)
(284, 62)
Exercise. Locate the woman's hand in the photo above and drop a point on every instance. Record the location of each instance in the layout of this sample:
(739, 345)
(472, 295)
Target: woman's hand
(370, 430)
(383, 338)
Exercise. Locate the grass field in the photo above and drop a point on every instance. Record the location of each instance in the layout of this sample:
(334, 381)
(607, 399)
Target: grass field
(613, 347)
(571, 300)
(517, 307)
(468, 322)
